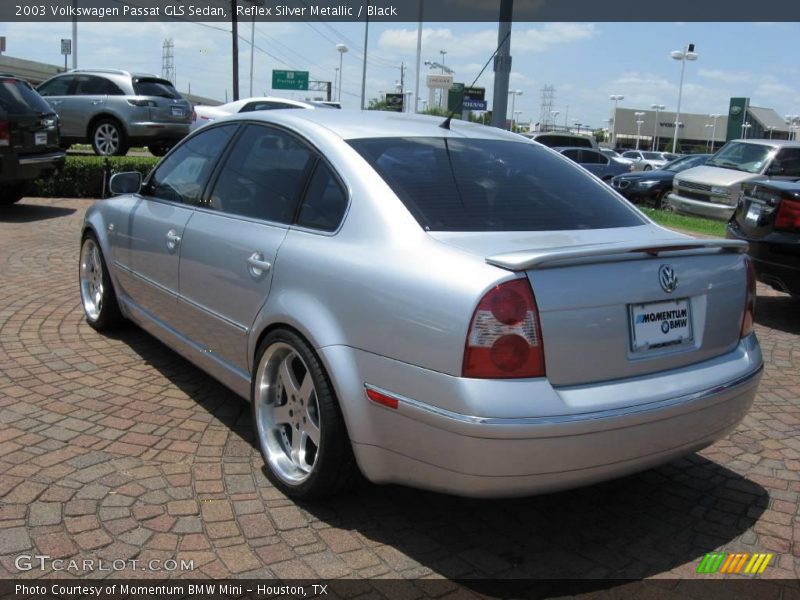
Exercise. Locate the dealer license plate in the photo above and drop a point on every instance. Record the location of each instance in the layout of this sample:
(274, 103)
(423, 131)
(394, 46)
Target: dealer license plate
(753, 213)
(658, 324)
(40, 138)
(177, 111)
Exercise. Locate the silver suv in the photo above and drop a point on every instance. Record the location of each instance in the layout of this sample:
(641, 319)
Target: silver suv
(113, 110)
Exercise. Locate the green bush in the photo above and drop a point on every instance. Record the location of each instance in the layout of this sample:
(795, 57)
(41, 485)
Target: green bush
(82, 176)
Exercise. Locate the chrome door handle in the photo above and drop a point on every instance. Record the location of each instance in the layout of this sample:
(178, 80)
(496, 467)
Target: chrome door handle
(257, 265)
(54, 102)
(97, 101)
(173, 239)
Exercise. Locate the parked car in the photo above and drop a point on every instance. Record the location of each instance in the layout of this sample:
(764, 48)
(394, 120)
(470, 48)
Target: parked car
(614, 154)
(767, 216)
(203, 115)
(449, 308)
(654, 186)
(28, 138)
(113, 110)
(554, 139)
(596, 162)
(647, 161)
(713, 189)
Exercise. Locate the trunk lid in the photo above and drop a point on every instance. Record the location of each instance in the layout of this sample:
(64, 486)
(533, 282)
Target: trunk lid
(758, 206)
(602, 303)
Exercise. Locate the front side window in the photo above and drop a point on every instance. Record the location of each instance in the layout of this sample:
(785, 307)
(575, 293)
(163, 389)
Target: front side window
(264, 175)
(590, 157)
(182, 176)
(787, 163)
(492, 185)
(56, 87)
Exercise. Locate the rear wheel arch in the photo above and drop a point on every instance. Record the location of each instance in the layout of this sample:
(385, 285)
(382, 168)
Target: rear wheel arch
(105, 116)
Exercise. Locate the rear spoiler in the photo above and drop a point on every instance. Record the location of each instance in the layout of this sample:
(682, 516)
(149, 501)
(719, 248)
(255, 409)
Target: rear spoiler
(530, 259)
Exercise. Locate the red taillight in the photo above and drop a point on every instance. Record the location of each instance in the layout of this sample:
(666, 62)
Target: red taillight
(749, 299)
(194, 116)
(504, 339)
(5, 133)
(788, 217)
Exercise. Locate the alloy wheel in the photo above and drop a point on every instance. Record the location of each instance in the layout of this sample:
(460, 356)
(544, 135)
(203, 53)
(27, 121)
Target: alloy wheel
(91, 279)
(106, 139)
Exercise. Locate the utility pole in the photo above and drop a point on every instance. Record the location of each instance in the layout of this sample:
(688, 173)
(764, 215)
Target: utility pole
(364, 67)
(502, 64)
(75, 35)
(419, 57)
(235, 49)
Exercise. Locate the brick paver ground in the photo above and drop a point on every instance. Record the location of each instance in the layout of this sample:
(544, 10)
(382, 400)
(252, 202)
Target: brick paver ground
(114, 447)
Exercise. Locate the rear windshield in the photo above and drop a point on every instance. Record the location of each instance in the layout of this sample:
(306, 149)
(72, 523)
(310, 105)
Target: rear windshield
(155, 87)
(17, 97)
(492, 185)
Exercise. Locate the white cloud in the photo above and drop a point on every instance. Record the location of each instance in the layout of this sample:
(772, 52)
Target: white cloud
(726, 76)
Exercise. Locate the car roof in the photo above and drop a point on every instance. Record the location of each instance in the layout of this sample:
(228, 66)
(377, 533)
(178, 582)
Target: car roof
(560, 148)
(775, 143)
(360, 124)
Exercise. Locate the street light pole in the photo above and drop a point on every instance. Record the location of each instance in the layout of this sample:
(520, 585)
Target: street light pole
(341, 49)
(657, 108)
(639, 123)
(615, 98)
(514, 94)
(555, 113)
(714, 131)
(75, 35)
(683, 56)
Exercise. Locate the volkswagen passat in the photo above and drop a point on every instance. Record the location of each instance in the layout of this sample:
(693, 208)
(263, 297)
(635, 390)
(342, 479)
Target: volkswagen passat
(459, 309)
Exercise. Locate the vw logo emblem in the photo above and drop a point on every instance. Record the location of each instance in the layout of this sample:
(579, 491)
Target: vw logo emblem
(667, 278)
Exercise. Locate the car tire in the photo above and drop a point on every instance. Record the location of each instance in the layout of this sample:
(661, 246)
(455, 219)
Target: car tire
(647, 168)
(297, 420)
(660, 199)
(159, 149)
(108, 138)
(98, 298)
(14, 192)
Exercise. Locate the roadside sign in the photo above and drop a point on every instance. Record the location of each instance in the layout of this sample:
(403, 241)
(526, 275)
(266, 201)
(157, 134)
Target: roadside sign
(439, 81)
(289, 80)
(472, 104)
(394, 102)
(66, 46)
(475, 93)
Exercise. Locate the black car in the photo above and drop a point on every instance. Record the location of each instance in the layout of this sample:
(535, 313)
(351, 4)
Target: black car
(768, 217)
(29, 139)
(653, 186)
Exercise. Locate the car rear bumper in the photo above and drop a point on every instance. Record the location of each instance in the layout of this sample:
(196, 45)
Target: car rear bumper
(143, 131)
(27, 167)
(710, 210)
(422, 444)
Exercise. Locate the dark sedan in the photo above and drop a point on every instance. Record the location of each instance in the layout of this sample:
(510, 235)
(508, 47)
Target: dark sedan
(768, 217)
(653, 186)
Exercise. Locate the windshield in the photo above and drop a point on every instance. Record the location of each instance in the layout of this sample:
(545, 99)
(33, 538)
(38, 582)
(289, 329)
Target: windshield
(741, 156)
(155, 87)
(492, 185)
(17, 97)
(652, 156)
(686, 162)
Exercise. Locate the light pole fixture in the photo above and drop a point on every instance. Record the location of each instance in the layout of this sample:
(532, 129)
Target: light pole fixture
(791, 121)
(442, 52)
(639, 123)
(606, 130)
(615, 98)
(514, 94)
(657, 108)
(771, 129)
(708, 141)
(745, 127)
(555, 113)
(714, 131)
(682, 55)
(341, 49)
(516, 115)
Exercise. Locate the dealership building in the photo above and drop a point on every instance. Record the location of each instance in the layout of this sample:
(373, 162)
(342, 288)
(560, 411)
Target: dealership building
(696, 132)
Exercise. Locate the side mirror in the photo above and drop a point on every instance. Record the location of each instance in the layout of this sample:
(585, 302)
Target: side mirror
(125, 183)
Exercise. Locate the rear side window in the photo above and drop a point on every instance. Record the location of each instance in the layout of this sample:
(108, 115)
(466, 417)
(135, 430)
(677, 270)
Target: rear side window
(266, 106)
(17, 96)
(555, 140)
(155, 87)
(492, 185)
(787, 163)
(325, 201)
(183, 174)
(264, 175)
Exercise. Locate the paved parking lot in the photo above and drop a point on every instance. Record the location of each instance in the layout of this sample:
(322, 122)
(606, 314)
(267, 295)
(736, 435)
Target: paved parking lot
(114, 447)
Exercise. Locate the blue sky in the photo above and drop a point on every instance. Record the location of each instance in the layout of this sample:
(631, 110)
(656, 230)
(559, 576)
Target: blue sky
(584, 61)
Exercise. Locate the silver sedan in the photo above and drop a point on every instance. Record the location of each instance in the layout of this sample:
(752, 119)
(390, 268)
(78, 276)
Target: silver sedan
(457, 309)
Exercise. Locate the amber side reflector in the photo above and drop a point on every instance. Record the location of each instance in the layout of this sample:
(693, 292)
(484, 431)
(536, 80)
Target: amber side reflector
(381, 399)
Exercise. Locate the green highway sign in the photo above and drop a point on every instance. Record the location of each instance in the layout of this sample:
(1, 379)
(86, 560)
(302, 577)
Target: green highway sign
(289, 80)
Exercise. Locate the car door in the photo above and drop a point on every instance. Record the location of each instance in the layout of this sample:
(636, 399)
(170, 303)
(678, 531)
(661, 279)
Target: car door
(230, 244)
(57, 93)
(594, 162)
(148, 242)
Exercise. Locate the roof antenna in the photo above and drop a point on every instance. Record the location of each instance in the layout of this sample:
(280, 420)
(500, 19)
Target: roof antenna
(446, 123)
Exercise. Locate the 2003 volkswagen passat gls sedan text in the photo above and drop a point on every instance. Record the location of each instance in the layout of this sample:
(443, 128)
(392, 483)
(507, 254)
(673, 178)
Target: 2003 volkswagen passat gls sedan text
(458, 309)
